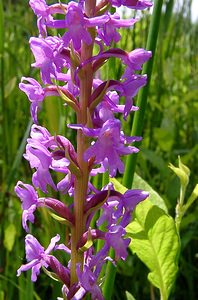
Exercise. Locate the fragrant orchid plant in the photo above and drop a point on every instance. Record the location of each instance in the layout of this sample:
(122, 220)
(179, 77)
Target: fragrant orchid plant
(69, 67)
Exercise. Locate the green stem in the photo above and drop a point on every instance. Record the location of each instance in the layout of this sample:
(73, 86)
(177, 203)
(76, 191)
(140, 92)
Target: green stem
(110, 274)
(138, 121)
(179, 208)
(3, 102)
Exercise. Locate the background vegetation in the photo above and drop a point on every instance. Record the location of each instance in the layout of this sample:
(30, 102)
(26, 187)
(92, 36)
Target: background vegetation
(170, 129)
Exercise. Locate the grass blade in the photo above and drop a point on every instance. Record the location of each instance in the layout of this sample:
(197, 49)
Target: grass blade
(137, 125)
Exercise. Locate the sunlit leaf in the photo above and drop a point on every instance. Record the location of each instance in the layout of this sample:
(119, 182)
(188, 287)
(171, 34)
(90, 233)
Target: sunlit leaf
(192, 197)
(154, 197)
(51, 274)
(156, 243)
(118, 186)
(9, 237)
(10, 86)
(129, 296)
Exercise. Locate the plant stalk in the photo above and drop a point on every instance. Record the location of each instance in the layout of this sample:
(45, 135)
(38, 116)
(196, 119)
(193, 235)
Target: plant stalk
(138, 121)
(81, 182)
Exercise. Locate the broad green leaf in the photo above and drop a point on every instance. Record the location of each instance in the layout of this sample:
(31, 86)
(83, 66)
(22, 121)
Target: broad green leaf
(154, 197)
(129, 296)
(156, 243)
(139, 183)
(118, 186)
(9, 237)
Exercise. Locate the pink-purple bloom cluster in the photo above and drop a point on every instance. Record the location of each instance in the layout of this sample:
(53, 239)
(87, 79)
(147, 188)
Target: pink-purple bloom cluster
(67, 67)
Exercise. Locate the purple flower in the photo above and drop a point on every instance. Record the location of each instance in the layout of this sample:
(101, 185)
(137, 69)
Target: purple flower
(108, 33)
(40, 157)
(33, 89)
(128, 203)
(110, 103)
(88, 281)
(48, 57)
(118, 208)
(44, 12)
(106, 109)
(141, 4)
(39, 7)
(77, 25)
(114, 238)
(35, 93)
(29, 199)
(129, 88)
(36, 255)
(135, 4)
(109, 146)
(66, 184)
(30, 202)
(68, 60)
(40, 134)
(134, 61)
(118, 3)
(108, 213)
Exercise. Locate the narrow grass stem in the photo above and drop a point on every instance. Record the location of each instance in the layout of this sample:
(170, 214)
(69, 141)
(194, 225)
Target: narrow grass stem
(110, 274)
(138, 121)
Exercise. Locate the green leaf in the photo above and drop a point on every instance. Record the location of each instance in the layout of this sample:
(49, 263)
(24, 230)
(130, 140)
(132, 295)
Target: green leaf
(154, 197)
(9, 237)
(182, 172)
(129, 296)
(156, 160)
(156, 243)
(10, 86)
(164, 138)
(192, 198)
(59, 219)
(51, 274)
(139, 183)
(184, 168)
(2, 295)
(88, 244)
(118, 186)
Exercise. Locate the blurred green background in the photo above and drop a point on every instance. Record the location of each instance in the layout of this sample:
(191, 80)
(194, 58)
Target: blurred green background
(170, 129)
